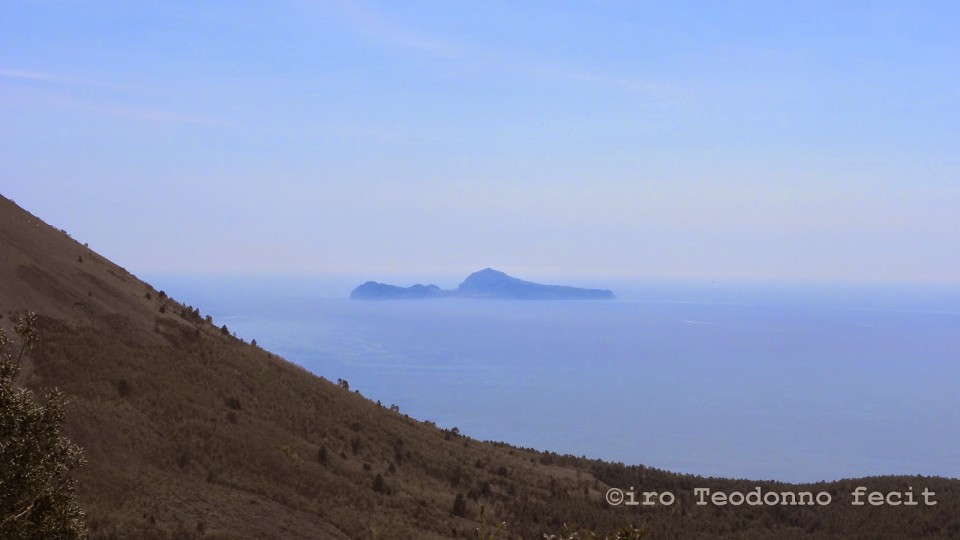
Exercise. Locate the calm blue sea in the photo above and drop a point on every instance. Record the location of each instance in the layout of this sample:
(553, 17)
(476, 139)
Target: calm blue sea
(759, 381)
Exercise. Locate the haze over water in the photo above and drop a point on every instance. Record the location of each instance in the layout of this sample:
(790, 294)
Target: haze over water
(795, 383)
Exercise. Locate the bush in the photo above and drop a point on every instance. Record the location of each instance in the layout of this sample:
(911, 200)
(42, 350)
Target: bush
(36, 493)
(123, 388)
(379, 485)
(459, 506)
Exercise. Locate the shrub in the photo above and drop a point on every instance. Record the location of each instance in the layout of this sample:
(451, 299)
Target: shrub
(379, 485)
(36, 493)
(459, 506)
(355, 444)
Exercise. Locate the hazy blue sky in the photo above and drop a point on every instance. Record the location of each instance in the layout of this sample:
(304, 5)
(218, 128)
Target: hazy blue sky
(713, 140)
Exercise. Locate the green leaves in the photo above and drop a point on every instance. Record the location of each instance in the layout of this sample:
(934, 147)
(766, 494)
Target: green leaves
(36, 491)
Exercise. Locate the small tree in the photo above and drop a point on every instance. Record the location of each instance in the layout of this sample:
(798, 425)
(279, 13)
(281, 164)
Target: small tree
(36, 493)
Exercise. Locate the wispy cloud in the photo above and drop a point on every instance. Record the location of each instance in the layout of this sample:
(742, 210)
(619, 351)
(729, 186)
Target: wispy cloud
(38, 76)
(533, 66)
(373, 25)
(117, 107)
(662, 92)
(159, 116)
(57, 79)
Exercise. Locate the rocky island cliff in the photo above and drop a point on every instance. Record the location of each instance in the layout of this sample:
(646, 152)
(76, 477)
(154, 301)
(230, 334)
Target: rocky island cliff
(486, 283)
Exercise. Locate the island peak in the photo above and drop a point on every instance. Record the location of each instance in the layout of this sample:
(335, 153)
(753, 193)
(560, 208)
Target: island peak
(486, 283)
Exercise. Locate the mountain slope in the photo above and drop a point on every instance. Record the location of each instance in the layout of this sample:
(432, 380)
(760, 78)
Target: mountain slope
(190, 432)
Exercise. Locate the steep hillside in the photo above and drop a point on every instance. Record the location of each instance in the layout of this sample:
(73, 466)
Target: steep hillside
(190, 432)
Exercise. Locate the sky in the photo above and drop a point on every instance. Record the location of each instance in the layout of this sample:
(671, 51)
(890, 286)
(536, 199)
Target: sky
(810, 141)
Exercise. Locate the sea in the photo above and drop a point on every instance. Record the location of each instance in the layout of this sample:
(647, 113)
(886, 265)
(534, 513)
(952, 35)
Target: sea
(791, 382)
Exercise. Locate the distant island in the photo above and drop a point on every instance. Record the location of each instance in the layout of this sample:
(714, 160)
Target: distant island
(487, 283)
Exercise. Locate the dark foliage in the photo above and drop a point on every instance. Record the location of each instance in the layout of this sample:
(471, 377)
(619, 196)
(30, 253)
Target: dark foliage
(36, 490)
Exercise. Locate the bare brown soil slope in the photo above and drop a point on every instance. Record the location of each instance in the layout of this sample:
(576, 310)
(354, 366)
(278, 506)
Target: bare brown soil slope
(190, 432)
